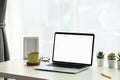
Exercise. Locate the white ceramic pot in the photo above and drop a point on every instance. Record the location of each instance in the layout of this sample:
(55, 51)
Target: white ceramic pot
(118, 64)
(111, 63)
(100, 62)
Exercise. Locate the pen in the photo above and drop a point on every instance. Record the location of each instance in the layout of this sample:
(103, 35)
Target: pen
(107, 76)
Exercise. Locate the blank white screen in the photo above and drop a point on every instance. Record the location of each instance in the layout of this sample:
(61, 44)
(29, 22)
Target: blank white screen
(73, 48)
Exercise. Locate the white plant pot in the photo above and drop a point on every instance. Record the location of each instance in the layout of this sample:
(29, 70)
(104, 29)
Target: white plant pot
(118, 64)
(100, 62)
(111, 63)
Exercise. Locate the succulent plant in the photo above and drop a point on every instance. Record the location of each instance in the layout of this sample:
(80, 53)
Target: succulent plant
(118, 56)
(111, 56)
(100, 55)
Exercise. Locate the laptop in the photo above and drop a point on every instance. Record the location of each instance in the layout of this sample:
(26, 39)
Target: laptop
(72, 52)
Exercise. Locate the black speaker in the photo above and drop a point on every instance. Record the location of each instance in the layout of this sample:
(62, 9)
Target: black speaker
(30, 44)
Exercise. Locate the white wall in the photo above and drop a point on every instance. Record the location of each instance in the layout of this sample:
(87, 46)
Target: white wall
(43, 17)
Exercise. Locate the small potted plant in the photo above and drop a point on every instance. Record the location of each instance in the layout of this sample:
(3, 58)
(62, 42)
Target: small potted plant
(111, 60)
(100, 59)
(118, 61)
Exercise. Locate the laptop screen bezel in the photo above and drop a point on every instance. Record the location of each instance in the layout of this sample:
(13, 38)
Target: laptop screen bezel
(70, 63)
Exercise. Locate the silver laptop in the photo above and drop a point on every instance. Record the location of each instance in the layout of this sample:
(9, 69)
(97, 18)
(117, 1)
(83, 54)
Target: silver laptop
(72, 52)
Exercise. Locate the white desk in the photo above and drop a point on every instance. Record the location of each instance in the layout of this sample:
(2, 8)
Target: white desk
(17, 69)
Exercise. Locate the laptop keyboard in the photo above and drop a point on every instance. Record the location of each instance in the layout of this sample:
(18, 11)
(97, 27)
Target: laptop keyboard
(65, 66)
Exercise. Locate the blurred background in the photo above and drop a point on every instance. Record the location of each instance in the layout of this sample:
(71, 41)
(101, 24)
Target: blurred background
(41, 18)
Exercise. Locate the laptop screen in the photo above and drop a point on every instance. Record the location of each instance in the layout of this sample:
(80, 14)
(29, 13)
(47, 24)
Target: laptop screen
(73, 48)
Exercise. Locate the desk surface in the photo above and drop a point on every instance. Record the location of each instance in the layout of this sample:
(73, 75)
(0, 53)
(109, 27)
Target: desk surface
(17, 69)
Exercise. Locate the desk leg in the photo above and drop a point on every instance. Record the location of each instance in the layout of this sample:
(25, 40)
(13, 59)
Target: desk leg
(5, 78)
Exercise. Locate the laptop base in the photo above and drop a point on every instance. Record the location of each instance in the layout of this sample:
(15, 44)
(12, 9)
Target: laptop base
(61, 69)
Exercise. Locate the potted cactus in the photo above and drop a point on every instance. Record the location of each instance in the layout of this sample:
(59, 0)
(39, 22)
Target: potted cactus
(111, 60)
(118, 61)
(100, 59)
